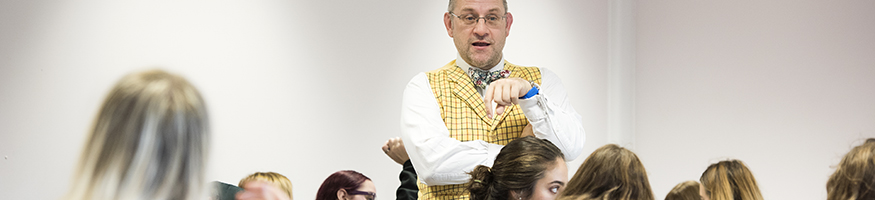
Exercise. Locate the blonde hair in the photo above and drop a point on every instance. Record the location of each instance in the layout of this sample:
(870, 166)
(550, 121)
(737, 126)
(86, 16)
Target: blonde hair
(687, 190)
(730, 180)
(610, 172)
(854, 177)
(274, 178)
(149, 141)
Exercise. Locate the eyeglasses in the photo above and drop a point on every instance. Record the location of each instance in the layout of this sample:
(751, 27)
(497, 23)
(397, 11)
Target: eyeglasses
(492, 20)
(368, 195)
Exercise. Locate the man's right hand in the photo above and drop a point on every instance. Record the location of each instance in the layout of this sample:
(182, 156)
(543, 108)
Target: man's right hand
(505, 92)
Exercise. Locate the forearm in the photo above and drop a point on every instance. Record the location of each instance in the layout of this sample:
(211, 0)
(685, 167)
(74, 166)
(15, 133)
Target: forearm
(438, 158)
(553, 118)
(442, 160)
(563, 129)
(408, 190)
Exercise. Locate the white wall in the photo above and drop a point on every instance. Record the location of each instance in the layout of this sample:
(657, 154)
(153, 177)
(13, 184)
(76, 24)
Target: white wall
(785, 86)
(303, 88)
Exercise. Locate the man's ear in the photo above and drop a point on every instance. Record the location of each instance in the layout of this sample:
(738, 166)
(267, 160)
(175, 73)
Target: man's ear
(448, 23)
(341, 194)
(509, 22)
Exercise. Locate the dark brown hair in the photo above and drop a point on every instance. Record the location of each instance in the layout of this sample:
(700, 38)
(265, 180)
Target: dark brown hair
(687, 190)
(610, 172)
(730, 180)
(347, 180)
(517, 168)
(854, 177)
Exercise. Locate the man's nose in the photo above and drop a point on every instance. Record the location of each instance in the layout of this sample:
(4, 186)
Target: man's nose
(480, 29)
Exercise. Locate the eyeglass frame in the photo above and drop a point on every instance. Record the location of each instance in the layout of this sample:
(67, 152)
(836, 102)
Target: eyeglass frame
(485, 21)
(356, 192)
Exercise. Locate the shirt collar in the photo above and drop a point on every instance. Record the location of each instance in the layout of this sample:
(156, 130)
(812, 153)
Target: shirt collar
(465, 66)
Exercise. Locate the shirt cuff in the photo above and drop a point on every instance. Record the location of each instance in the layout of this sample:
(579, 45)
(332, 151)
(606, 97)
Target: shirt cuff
(532, 108)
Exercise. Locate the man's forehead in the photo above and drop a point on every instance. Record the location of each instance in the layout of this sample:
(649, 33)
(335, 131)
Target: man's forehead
(469, 9)
(480, 5)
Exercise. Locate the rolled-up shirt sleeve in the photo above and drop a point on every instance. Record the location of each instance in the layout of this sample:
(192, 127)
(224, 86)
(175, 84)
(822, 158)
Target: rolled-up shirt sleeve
(553, 118)
(438, 158)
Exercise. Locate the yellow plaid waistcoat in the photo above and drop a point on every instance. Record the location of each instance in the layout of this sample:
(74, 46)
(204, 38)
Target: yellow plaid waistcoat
(464, 113)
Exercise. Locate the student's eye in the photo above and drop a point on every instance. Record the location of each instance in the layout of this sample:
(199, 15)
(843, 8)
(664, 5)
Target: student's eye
(554, 189)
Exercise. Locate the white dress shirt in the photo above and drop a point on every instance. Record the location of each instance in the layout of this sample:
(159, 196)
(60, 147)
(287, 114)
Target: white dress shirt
(442, 160)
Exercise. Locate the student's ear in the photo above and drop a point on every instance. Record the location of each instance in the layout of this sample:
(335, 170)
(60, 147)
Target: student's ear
(341, 194)
(516, 195)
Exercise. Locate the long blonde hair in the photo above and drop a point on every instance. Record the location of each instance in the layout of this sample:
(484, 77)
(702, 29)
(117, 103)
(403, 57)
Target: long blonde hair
(730, 180)
(687, 190)
(274, 178)
(149, 141)
(854, 177)
(610, 172)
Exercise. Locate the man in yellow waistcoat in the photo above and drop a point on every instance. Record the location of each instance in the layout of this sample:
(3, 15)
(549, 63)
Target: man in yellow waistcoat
(460, 115)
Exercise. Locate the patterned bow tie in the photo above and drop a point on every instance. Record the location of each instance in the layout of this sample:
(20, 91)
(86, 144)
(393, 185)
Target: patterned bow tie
(482, 78)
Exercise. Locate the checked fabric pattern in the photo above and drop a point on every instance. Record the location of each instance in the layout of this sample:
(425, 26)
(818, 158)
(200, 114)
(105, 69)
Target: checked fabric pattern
(464, 113)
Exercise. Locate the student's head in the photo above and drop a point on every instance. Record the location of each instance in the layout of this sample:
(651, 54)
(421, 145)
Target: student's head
(729, 180)
(347, 185)
(526, 168)
(276, 179)
(610, 172)
(687, 190)
(149, 141)
(478, 42)
(854, 177)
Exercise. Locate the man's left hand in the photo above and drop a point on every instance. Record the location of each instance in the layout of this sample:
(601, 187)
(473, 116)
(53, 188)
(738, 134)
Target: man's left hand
(528, 131)
(394, 148)
(505, 92)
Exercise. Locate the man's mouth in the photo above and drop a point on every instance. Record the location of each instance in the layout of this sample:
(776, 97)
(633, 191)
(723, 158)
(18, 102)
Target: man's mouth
(480, 44)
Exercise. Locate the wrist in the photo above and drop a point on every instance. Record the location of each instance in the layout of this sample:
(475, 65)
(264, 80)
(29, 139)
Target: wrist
(526, 86)
(534, 90)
